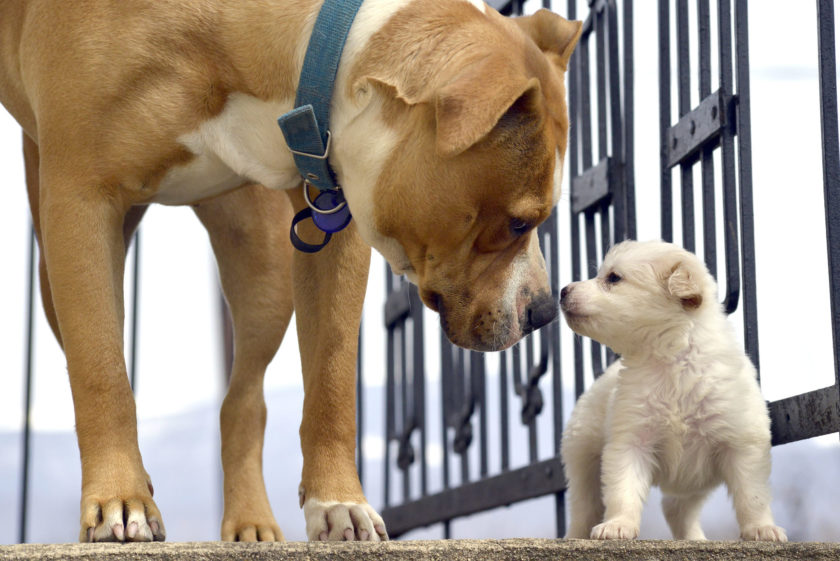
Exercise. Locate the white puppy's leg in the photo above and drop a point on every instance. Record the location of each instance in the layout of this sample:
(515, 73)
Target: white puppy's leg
(583, 470)
(746, 471)
(683, 516)
(581, 449)
(626, 473)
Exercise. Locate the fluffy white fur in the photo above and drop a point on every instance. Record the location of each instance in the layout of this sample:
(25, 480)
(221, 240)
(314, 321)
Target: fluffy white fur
(682, 408)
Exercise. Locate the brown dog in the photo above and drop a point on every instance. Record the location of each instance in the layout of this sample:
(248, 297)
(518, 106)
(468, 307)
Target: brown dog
(449, 129)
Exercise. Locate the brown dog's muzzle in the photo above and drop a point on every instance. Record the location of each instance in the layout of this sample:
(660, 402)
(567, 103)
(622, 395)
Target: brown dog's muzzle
(494, 327)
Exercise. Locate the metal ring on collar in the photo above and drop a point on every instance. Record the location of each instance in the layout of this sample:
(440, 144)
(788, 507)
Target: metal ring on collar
(323, 156)
(306, 185)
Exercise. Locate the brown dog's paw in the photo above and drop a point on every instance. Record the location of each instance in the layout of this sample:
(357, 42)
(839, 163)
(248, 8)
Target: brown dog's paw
(251, 531)
(334, 521)
(129, 517)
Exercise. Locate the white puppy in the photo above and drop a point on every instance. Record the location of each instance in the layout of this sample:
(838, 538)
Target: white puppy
(682, 408)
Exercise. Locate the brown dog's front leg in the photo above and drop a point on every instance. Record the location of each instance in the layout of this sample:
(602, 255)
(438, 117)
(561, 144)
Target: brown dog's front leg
(249, 232)
(82, 241)
(329, 288)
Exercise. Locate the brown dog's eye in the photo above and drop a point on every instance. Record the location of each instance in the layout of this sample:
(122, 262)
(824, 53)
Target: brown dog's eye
(519, 227)
(613, 278)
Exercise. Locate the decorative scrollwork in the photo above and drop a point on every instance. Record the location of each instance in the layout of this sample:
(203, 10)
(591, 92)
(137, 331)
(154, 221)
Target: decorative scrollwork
(530, 392)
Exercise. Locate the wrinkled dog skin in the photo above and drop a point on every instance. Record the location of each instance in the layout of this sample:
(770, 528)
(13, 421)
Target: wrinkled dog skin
(448, 132)
(681, 409)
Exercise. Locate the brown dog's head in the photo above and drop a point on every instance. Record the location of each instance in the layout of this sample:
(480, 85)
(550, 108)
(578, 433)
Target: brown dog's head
(478, 105)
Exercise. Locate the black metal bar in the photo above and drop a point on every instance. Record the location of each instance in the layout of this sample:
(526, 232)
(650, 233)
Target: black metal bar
(591, 244)
(28, 379)
(531, 420)
(629, 159)
(707, 165)
(601, 77)
(405, 426)
(504, 411)
(750, 305)
(683, 63)
(535, 480)
(585, 113)
(830, 163)
(420, 384)
(518, 384)
(446, 409)
(389, 394)
(445, 380)
(619, 201)
(666, 202)
(684, 95)
(731, 236)
(560, 513)
(574, 77)
(464, 429)
(805, 416)
(480, 395)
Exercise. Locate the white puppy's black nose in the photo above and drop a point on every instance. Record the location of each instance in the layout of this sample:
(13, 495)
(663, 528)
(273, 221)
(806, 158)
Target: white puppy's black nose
(565, 292)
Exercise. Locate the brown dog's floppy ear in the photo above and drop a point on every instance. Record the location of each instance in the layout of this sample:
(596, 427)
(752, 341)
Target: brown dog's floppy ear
(684, 285)
(467, 108)
(553, 34)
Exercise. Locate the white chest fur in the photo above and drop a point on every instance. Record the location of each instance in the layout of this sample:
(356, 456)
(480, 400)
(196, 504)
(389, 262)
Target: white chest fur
(243, 143)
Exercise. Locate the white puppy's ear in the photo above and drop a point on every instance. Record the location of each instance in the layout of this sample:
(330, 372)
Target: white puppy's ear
(685, 285)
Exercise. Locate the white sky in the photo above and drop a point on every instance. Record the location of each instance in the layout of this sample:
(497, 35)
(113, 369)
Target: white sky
(180, 352)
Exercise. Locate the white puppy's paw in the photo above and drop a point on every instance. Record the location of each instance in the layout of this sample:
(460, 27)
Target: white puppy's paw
(334, 521)
(615, 529)
(766, 533)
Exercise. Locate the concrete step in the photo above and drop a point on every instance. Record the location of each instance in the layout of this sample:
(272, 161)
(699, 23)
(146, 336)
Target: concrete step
(433, 550)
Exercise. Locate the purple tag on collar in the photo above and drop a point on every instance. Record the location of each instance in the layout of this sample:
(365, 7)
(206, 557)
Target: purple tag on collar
(335, 221)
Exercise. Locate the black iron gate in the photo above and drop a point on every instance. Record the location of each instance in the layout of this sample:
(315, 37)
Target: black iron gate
(601, 192)
(714, 135)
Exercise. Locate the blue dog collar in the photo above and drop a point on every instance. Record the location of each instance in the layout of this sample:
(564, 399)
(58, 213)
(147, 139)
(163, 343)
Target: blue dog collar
(306, 127)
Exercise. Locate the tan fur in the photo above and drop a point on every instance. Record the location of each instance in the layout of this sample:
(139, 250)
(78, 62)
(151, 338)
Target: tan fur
(464, 278)
(106, 92)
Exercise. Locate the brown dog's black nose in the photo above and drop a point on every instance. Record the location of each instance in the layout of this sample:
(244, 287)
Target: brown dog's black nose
(541, 311)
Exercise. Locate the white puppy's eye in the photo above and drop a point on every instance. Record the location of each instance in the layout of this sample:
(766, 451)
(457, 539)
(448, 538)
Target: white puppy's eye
(613, 278)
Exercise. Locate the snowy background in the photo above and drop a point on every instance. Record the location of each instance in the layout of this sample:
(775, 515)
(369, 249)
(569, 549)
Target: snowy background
(180, 382)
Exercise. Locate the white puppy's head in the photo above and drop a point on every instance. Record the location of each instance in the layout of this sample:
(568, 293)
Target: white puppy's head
(647, 297)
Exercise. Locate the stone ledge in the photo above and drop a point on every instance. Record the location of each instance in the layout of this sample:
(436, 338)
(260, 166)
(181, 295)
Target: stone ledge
(432, 550)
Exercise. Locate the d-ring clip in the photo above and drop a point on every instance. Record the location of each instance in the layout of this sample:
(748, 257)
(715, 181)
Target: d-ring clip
(309, 202)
